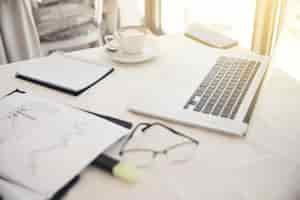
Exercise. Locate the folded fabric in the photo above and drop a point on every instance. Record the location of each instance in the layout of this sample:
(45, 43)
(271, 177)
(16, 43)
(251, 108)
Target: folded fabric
(62, 16)
(77, 31)
(48, 2)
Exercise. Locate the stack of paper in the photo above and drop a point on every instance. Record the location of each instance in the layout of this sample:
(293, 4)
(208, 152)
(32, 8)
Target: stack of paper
(43, 145)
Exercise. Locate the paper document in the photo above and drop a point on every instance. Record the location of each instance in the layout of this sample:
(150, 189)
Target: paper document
(13, 192)
(43, 145)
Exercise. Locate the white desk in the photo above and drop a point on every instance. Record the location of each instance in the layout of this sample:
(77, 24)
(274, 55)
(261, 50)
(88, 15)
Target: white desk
(262, 166)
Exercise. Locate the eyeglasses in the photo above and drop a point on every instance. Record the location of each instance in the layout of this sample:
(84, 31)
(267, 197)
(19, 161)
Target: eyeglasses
(178, 152)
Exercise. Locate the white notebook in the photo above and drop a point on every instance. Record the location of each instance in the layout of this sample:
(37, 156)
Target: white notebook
(63, 73)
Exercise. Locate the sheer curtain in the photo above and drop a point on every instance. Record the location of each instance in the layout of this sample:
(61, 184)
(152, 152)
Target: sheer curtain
(268, 24)
(132, 12)
(234, 18)
(3, 58)
(19, 38)
(254, 23)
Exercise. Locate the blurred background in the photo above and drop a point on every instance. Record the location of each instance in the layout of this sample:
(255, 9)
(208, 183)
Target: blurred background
(267, 27)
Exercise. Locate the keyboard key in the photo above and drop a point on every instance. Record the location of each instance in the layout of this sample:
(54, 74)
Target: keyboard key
(217, 110)
(200, 105)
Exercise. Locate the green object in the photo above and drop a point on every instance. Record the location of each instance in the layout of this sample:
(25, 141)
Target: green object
(126, 172)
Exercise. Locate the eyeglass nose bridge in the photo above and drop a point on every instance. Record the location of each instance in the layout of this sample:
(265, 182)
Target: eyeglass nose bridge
(157, 153)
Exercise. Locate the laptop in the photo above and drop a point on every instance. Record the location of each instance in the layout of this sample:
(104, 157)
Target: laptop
(213, 90)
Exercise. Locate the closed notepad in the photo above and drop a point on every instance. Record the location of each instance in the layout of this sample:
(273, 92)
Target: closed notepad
(63, 73)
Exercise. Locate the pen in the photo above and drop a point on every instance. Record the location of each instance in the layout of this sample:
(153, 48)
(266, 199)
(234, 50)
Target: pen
(119, 122)
(124, 171)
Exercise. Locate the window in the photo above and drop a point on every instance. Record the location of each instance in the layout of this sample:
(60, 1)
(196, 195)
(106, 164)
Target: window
(286, 55)
(132, 12)
(232, 17)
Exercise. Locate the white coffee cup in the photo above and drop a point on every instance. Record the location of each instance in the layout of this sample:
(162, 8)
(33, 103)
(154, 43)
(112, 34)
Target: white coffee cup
(130, 39)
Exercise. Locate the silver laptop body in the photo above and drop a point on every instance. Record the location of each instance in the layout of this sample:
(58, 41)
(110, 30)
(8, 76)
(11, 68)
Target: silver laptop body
(210, 89)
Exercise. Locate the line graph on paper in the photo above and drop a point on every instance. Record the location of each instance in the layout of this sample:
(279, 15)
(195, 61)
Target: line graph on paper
(9, 123)
(66, 137)
(44, 140)
(37, 129)
(13, 119)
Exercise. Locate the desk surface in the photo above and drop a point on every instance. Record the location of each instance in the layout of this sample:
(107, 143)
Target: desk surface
(264, 165)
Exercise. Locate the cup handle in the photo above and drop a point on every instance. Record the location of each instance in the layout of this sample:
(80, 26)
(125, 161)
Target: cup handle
(108, 46)
(108, 38)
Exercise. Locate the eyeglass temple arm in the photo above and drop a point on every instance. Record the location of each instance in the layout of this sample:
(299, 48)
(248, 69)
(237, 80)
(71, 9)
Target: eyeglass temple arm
(148, 125)
(170, 129)
(131, 135)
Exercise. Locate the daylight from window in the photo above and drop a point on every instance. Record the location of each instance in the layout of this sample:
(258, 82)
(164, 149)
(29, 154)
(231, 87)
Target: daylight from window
(289, 39)
(235, 18)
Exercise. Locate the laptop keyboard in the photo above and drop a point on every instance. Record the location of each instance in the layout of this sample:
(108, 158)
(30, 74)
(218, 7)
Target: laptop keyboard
(224, 87)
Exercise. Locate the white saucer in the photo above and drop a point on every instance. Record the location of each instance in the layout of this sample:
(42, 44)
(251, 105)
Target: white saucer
(121, 57)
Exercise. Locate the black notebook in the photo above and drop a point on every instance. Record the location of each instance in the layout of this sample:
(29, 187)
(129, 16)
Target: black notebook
(63, 73)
